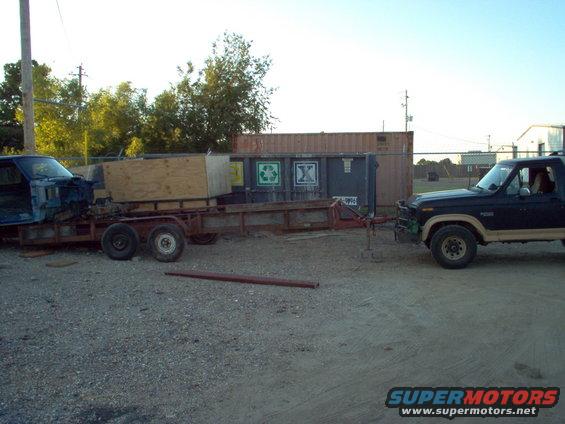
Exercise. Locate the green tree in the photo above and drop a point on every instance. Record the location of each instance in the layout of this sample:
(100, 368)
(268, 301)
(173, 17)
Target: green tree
(11, 132)
(114, 119)
(228, 97)
(162, 130)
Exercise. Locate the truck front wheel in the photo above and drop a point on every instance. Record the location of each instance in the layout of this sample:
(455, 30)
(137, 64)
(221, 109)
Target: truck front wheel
(453, 246)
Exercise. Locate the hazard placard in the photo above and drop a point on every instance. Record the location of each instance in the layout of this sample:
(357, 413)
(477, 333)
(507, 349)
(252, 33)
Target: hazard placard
(269, 173)
(236, 174)
(305, 173)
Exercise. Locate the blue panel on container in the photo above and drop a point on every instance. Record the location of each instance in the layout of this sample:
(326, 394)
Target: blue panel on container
(285, 177)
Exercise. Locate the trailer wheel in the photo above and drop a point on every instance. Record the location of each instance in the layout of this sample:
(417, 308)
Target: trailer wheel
(206, 238)
(453, 246)
(166, 242)
(120, 242)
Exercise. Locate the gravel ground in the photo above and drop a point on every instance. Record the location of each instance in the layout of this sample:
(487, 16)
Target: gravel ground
(120, 342)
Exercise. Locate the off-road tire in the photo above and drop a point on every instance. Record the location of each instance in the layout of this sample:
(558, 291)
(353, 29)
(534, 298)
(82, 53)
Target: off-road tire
(206, 238)
(453, 246)
(166, 242)
(120, 242)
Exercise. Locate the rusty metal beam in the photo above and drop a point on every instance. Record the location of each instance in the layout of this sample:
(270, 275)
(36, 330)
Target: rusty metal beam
(249, 279)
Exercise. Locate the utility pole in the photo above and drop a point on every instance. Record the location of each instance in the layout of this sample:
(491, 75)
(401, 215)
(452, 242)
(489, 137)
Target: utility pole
(383, 125)
(488, 142)
(407, 118)
(80, 74)
(27, 78)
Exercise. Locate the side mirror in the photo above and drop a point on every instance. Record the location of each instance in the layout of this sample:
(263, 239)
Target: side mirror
(524, 192)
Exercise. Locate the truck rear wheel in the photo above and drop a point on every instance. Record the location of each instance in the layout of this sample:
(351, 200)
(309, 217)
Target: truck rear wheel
(166, 242)
(206, 238)
(453, 246)
(120, 242)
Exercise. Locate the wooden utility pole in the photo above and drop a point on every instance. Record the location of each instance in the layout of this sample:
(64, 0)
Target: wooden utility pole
(27, 79)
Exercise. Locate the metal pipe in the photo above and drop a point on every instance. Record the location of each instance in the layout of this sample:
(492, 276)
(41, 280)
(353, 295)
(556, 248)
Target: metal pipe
(249, 279)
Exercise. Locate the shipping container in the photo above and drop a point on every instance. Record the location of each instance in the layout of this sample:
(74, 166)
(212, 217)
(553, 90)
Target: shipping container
(286, 177)
(394, 153)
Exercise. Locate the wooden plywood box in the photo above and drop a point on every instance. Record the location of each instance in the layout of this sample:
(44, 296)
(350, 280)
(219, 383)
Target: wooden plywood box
(176, 182)
(187, 177)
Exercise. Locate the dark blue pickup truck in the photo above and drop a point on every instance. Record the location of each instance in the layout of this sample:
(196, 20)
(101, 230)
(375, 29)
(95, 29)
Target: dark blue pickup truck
(518, 200)
(35, 189)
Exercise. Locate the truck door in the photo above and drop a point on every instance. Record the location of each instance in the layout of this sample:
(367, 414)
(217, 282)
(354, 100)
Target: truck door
(15, 195)
(541, 208)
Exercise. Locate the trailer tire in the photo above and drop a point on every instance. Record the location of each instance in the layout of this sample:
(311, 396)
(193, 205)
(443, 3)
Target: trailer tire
(206, 238)
(453, 246)
(166, 242)
(120, 242)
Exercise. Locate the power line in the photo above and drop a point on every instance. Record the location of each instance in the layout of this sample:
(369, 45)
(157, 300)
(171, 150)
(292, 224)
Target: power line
(69, 46)
(453, 137)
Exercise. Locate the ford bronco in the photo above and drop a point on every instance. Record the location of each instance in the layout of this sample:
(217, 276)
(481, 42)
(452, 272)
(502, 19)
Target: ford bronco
(518, 200)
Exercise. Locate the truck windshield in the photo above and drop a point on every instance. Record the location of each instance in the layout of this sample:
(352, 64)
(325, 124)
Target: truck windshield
(38, 168)
(494, 178)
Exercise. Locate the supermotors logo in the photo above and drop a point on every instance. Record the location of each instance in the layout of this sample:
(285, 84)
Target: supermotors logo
(452, 402)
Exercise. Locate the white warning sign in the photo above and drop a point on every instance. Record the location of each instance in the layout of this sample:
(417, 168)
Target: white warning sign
(306, 173)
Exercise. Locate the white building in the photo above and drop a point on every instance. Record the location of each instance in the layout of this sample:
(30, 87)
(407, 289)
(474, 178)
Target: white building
(540, 140)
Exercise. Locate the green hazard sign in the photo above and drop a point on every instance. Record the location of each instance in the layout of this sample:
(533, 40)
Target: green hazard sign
(269, 173)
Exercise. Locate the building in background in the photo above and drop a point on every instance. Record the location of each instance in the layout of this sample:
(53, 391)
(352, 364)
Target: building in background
(540, 140)
(477, 158)
(394, 152)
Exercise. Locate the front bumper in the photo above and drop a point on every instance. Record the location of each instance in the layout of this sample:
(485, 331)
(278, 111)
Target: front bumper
(406, 228)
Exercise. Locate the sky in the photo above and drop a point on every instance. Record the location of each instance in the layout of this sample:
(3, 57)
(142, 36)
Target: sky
(471, 68)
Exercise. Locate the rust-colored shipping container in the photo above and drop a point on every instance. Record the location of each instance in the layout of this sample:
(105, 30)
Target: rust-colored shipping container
(394, 154)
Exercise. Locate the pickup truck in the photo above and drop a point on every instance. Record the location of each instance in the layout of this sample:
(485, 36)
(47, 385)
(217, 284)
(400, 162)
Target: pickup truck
(518, 200)
(35, 189)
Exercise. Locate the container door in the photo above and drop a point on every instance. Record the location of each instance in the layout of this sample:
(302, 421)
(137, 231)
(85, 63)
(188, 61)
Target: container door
(347, 180)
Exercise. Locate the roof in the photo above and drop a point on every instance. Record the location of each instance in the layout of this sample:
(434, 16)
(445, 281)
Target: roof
(557, 126)
(23, 156)
(534, 159)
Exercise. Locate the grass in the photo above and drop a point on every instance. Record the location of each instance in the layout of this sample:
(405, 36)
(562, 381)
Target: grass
(424, 186)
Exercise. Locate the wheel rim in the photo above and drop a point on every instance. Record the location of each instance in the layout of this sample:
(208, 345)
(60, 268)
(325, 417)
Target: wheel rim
(454, 248)
(166, 243)
(120, 242)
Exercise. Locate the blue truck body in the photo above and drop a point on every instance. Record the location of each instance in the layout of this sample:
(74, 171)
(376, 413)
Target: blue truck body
(37, 189)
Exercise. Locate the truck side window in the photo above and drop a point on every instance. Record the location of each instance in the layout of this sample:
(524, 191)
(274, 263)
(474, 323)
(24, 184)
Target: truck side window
(10, 175)
(543, 181)
(520, 180)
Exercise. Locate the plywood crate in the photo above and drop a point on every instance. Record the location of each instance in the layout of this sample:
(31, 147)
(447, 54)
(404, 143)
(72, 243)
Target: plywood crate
(173, 182)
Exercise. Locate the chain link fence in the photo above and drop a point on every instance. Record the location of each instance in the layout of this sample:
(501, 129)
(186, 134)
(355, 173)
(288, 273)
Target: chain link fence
(429, 171)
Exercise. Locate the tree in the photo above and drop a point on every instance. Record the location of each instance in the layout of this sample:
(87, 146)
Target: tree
(227, 98)
(162, 130)
(114, 119)
(11, 131)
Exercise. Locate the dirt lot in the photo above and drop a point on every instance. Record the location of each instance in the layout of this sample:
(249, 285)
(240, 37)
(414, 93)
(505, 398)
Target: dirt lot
(119, 342)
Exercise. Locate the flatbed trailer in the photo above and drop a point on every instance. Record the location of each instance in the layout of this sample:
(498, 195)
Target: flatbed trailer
(165, 232)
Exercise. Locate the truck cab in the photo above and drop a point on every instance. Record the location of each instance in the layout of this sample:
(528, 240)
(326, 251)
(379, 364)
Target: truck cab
(35, 189)
(518, 200)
